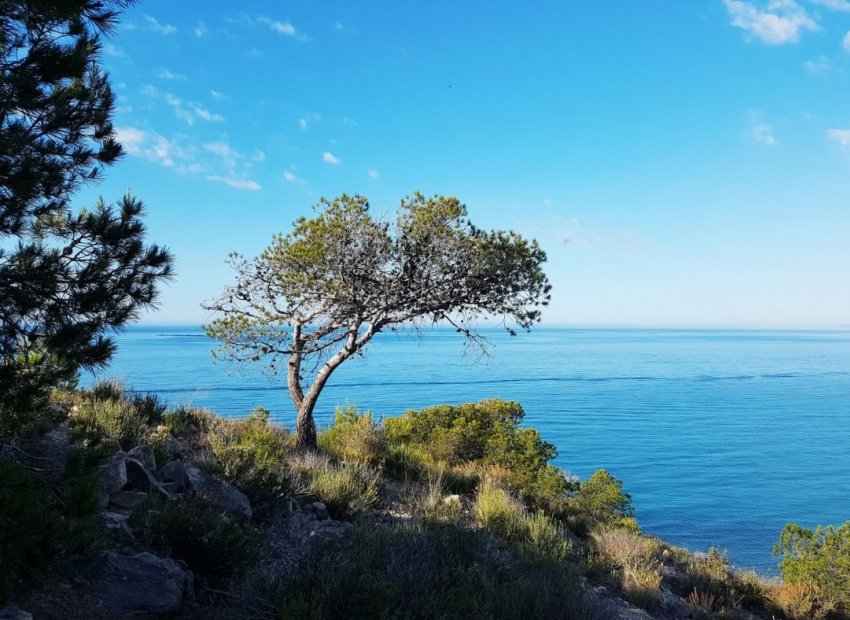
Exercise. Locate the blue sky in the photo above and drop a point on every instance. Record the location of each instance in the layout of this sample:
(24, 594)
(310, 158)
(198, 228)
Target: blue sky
(685, 164)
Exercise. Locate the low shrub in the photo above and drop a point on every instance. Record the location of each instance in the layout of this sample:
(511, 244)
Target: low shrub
(185, 419)
(486, 433)
(250, 453)
(394, 573)
(354, 437)
(801, 601)
(600, 500)
(819, 558)
(507, 519)
(633, 561)
(208, 541)
(347, 489)
(107, 412)
(43, 520)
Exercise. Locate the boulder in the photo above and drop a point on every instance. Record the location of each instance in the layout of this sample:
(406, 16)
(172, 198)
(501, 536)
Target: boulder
(144, 455)
(453, 502)
(218, 492)
(14, 613)
(174, 471)
(112, 473)
(128, 499)
(174, 448)
(141, 478)
(320, 511)
(137, 585)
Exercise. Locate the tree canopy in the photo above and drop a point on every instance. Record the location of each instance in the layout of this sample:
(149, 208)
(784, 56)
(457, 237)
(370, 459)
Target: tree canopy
(66, 278)
(317, 295)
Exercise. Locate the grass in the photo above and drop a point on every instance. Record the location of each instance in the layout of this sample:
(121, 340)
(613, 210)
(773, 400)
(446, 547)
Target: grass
(347, 489)
(633, 561)
(395, 572)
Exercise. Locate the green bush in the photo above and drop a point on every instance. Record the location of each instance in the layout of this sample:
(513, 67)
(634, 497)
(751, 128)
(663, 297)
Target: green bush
(346, 489)
(600, 500)
(819, 558)
(250, 453)
(185, 419)
(633, 562)
(208, 541)
(107, 412)
(487, 433)
(43, 520)
(354, 437)
(509, 520)
(395, 572)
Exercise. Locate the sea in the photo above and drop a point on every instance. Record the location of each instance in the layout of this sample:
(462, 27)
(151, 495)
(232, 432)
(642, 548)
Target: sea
(720, 437)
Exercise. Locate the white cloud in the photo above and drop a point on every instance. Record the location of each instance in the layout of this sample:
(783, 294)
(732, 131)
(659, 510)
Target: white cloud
(155, 26)
(151, 146)
(289, 177)
(835, 5)
(190, 112)
(218, 96)
(259, 155)
(149, 91)
(763, 134)
(817, 66)
(302, 123)
(845, 42)
(330, 158)
(222, 149)
(113, 51)
(165, 74)
(200, 30)
(282, 28)
(236, 183)
(841, 136)
(781, 21)
(374, 174)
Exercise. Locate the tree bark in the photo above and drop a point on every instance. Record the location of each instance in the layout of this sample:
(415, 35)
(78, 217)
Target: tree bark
(305, 426)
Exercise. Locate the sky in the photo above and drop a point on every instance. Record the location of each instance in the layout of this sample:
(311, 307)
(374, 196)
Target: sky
(684, 164)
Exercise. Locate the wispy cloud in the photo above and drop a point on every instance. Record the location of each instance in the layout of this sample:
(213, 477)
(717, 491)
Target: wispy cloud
(154, 26)
(839, 136)
(191, 112)
(165, 74)
(817, 66)
(154, 147)
(111, 50)
(284, 28)
(247, 184)
(845, 42)
(374, 174)
(763, 134)
(200, 30)
(258, 155)
(217, 95)
(330, 158)
(781, 21)
(835, 5)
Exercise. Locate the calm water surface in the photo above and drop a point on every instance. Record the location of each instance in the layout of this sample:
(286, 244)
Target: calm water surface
(721, 437)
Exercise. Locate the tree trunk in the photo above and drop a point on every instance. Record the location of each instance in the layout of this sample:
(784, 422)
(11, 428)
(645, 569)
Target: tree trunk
(305, 426)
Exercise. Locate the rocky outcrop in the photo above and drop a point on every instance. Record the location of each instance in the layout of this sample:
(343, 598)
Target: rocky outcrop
(112, 473)
(218, 492)
(144, 455)
(13, 613)
(140, 585)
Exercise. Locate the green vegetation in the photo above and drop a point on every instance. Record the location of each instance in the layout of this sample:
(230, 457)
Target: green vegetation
(208, 541)
(427, 570)
(817, 565)
(67, 279)
(354, 437)
(488, 434)
(347, 489)
(319, 294)
(250, 453)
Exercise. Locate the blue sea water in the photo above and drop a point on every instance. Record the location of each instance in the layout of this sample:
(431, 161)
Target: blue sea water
(721, 437)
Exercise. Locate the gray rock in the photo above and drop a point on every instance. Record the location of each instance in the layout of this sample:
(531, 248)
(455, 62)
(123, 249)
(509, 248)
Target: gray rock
(320, 511)
(128, 499)
(174, 471)
(112, 473)
(14, 613)
(137, 585)
(144, 455)
(174, 448)
(218, 492)
(453, 502)
(141, 478)
(172, 487)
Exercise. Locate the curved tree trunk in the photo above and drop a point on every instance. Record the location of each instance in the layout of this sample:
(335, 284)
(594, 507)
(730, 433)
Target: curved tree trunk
(305, 426)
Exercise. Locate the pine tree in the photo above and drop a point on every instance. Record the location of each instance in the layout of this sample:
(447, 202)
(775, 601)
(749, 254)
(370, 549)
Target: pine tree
(68, 278)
